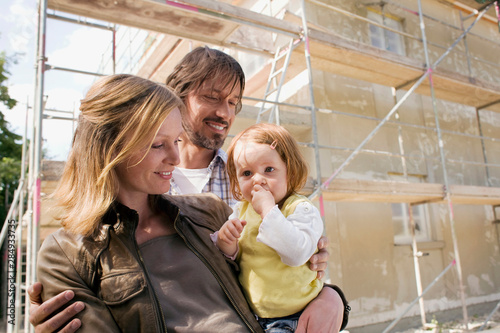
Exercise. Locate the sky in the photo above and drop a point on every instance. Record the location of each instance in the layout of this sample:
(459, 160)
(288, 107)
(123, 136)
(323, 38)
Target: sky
(67, 45)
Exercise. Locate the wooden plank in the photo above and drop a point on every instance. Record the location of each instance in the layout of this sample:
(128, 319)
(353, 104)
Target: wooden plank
(229, 12)
(153, 16)
(448, 86)
(460, 89)
(368, 60)
(382, 191)
(467, 5)
(357, 190)
(475, 195)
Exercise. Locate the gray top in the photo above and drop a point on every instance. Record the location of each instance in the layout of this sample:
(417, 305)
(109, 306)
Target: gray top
(190, 302)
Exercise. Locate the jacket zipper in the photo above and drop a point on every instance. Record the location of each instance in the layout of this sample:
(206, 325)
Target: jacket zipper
(214, 273)
(156, 303)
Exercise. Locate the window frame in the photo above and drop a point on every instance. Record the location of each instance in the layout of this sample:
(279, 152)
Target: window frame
(386, 37)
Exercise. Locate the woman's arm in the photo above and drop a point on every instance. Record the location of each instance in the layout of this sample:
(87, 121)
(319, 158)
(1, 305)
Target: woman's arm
(57, 274)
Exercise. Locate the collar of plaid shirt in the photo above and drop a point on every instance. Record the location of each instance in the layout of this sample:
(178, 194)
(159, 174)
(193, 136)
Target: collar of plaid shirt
(218, 183)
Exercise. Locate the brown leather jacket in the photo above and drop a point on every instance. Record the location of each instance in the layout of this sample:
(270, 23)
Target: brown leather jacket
(107, 273)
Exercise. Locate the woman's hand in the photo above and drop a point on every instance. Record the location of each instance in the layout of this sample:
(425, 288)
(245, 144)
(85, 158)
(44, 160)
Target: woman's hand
(44, 315)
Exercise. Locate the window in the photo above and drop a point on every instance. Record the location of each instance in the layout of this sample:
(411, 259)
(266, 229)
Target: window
(401, 216)
(386, 39)
(402, 226)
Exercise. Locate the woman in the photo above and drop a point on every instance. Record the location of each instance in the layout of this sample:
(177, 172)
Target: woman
(131, 255)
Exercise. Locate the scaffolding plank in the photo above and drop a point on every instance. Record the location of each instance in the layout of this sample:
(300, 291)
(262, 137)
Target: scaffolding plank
(153, 16)
(370, 62)
(358, 190)
(475, 195)
(461, 89)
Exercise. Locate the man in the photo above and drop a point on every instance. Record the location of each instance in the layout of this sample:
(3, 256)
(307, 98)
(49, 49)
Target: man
(211, 84)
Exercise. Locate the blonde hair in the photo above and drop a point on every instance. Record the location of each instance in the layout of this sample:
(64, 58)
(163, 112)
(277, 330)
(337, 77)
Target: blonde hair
(120, 115)
(284, 144)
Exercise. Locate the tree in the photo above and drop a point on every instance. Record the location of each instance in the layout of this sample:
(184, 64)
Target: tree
(10, 145)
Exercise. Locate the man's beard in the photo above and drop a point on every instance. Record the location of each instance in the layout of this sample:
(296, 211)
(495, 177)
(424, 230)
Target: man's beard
(202, 141)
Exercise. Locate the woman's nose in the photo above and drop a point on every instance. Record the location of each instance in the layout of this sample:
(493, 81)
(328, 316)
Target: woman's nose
(172, 157)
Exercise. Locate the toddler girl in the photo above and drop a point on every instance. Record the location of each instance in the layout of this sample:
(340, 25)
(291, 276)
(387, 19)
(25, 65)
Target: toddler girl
(273, 231)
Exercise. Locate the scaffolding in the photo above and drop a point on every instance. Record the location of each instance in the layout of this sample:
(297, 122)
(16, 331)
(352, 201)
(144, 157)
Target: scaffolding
(228, 26)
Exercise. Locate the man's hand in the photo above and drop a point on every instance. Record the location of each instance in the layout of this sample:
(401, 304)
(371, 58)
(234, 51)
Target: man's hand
(319, 261)
(323, 315)
(44, 316)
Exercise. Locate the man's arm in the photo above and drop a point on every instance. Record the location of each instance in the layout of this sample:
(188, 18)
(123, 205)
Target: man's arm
(45, 316)
(58, 275)
(331, 294)
(329, 312)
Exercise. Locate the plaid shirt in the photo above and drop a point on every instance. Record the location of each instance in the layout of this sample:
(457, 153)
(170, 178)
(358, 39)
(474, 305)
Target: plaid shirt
(218, 182)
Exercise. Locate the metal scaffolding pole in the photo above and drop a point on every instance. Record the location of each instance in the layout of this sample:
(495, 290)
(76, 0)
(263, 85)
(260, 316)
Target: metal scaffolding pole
(416, 255)
(29, 214)
(20, 253)
(35, 187)
(409, 207)
(313, 110)
(485, 157)
(312, 103)
(313, 118)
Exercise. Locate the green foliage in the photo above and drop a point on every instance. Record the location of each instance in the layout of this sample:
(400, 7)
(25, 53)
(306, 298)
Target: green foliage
(9, 180)
(4, 90)
(10, 146)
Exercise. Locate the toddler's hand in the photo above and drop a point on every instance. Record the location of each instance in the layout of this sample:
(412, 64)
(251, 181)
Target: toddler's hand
(231, 231)
(227, 238)
(262, 200)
